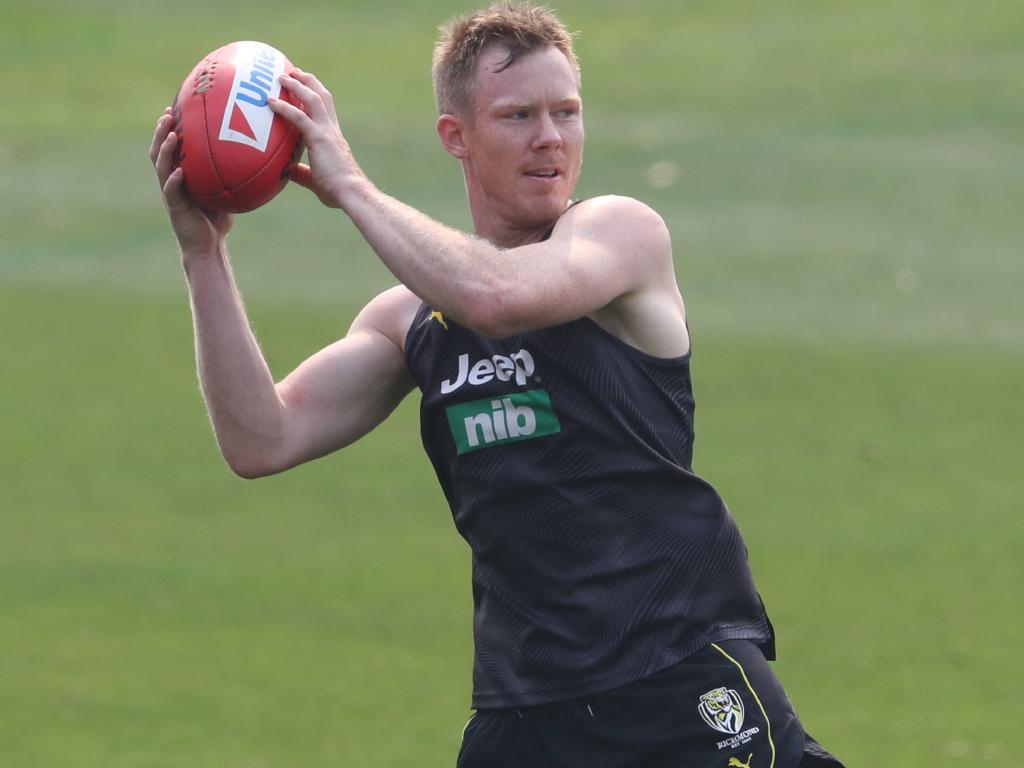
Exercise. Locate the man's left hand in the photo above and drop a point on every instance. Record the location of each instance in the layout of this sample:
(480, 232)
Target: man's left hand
(332, 169)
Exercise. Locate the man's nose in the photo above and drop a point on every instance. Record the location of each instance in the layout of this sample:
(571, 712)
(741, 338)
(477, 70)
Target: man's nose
(548, 136)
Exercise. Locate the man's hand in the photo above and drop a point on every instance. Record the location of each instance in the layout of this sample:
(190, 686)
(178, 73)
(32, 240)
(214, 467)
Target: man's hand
(199, 231)
(332, 169)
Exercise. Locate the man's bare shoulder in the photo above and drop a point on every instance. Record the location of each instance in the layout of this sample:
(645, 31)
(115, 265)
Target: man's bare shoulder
(625, 220)
(389, 313)
(650, 315)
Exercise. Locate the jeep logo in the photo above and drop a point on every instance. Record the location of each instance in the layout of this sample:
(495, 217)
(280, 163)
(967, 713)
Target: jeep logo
(518, 366)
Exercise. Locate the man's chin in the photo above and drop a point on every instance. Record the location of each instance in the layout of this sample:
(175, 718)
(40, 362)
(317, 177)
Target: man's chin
(548, 208)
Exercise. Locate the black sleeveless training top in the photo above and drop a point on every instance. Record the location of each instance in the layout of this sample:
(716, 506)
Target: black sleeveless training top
(599, 557)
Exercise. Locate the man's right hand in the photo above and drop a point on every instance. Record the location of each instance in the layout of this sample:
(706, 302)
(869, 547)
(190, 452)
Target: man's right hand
(199, 231)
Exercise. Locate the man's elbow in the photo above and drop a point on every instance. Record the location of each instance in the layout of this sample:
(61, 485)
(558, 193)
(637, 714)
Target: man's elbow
(249, 471)
(493, 313)
(250, 465)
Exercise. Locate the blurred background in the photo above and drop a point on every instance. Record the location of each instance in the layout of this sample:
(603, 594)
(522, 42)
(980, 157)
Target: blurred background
(844, 184)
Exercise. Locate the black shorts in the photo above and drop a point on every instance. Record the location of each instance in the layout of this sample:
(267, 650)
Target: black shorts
(723, 707)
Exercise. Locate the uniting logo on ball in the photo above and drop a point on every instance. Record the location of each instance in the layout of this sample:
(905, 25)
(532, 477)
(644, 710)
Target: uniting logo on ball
(247, 117)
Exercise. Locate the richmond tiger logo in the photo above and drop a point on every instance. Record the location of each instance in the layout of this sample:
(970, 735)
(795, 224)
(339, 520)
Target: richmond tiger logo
(722, 709)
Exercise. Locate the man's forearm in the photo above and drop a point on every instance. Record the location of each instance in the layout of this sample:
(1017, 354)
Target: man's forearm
(443, 266)
(237, 384)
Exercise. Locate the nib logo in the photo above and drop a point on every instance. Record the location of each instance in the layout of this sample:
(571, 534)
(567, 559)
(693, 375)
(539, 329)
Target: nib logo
(483, 423)
(247, 116)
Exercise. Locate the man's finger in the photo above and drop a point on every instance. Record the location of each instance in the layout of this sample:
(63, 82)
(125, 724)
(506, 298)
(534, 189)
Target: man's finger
(293, 114)
(313, 83)
(311, 100)
(164, 163)
(163, 125)
(176, 193)
(172, 189)
(302, 175)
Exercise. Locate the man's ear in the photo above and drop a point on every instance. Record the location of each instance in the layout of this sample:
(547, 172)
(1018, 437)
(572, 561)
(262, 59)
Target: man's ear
(452, 131)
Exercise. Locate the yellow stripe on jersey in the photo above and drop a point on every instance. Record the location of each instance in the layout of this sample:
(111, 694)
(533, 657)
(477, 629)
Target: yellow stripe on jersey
(750, 688)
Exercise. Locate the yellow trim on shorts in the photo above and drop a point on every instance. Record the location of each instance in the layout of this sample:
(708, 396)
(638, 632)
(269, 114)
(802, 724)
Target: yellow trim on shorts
(746, 680)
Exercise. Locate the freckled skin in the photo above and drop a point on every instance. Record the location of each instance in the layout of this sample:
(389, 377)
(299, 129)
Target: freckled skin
(526, 118)
(521, 149)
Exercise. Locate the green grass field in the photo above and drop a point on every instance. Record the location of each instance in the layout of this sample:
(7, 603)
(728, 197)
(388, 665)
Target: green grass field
(844, 184)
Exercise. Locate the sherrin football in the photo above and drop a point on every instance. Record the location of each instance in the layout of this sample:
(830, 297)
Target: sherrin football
(235, 151)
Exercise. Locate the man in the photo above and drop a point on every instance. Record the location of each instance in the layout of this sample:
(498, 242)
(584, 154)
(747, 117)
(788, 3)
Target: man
(616, 622)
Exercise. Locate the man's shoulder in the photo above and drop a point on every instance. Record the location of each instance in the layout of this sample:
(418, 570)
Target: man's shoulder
(618, 216)
(633, 236)
(391, 313)
(621, 205)
(616, 207)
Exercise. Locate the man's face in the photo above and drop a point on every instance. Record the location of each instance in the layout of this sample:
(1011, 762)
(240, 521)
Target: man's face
(525, 138)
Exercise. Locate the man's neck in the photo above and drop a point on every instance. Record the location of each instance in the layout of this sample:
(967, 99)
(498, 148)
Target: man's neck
(505, 234)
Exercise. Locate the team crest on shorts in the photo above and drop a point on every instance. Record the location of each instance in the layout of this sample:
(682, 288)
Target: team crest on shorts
(722, 709)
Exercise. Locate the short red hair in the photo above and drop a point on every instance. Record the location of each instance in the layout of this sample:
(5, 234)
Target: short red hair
(520, 27)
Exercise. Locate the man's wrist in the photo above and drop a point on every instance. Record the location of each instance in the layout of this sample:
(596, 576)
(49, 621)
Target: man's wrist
(356, 189)
(197, 258)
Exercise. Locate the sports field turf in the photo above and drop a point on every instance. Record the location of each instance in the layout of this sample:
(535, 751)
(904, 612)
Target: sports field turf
(844, 184)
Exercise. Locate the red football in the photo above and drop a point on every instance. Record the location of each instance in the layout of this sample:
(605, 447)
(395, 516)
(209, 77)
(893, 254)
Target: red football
(236, 152)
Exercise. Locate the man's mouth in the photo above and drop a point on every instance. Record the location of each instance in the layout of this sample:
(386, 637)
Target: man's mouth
(543, 173)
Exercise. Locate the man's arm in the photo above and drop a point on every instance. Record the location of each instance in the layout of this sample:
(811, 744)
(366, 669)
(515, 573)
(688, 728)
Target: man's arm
(330, 400)
(602, 251)
(346, 389)
(609, 258)
(333, 398)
